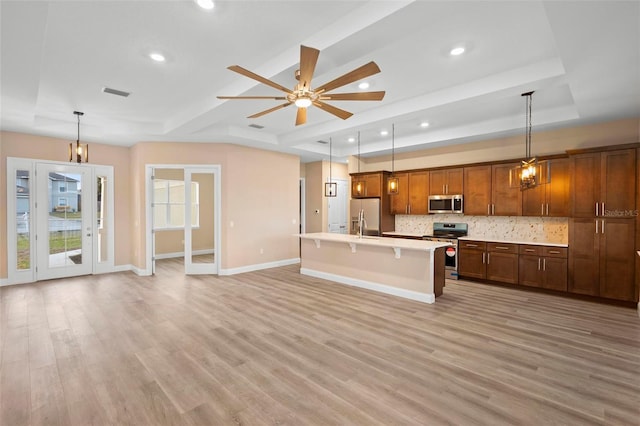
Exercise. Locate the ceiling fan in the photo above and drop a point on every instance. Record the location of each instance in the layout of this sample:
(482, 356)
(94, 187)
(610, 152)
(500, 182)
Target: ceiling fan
(303, 96)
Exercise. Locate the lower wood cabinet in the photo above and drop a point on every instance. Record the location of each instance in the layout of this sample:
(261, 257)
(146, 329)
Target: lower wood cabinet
(491, 261)
(543, 267)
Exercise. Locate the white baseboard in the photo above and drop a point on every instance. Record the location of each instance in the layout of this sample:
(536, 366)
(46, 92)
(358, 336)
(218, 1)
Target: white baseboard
(4, 281)
(369, 285)
(181, 254)
(139, 271)
(257, 267)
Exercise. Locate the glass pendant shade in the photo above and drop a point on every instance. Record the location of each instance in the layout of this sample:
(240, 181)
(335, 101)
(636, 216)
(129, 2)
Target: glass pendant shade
(330, 188)
(393, 184)
(80, 152)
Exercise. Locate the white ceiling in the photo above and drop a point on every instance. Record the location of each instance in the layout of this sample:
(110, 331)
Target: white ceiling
(582, 59)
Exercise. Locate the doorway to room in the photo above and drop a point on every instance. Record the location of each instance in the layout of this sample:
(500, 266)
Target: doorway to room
(337, 209)
(183, 216)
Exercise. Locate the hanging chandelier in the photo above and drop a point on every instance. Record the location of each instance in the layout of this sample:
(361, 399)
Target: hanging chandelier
(79, 153)
(331, 187)
(359, 185)
(530, 172)
(393, 182)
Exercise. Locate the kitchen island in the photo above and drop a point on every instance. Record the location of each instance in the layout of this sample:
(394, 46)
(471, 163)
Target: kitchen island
(413, 269)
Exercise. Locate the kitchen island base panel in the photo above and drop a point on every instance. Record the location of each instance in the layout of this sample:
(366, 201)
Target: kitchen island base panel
(416, 275)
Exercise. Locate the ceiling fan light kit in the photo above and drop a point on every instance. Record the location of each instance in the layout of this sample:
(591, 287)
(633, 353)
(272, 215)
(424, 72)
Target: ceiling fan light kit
(303, 96)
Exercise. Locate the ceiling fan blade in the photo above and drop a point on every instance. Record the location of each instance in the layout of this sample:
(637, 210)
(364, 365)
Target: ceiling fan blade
(308, 60)
(260, 114)
(301, 116)
(333, 110)
(275, 98)
(247, 73)
(359, 73)
(360, 96)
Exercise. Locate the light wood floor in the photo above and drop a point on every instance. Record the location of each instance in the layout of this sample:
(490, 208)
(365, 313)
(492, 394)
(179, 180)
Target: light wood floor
(275, 347)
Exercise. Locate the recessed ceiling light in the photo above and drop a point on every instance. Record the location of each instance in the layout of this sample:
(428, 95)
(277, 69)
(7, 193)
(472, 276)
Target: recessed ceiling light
(205, 4)
(351, 139)
(457, 51)
(424, 124)
(364, 85)
(384, 132)
(158, 57)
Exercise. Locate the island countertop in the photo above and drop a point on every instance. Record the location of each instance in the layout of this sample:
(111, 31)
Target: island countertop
(405, 244)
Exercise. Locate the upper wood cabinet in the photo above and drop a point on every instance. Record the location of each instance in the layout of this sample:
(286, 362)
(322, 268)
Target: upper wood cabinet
(551, 199)
(446, 181)
(366, 185)
(603, 183)
(412, 196)
(487, 191)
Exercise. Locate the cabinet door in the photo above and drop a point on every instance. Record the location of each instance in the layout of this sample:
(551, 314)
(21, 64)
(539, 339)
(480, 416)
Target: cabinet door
(418, 193)
(617, 258)
(557, 190)
(437, 182)
(502, 267)
(529, 271)
(455, 181)
(584, 262)
(400, 201)
(585, 179)
(534, 201)
(477, 190)
(554, 273)
(618, 183)
(471, 263)
(505, 199)
(373, 186)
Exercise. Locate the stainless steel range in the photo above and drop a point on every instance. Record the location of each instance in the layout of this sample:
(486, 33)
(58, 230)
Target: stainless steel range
(449, 232)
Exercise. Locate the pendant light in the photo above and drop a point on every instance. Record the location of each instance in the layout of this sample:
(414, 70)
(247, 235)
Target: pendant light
(330, 188)
(393, 182)
(79, 153)
(530, 173)
(359, 187)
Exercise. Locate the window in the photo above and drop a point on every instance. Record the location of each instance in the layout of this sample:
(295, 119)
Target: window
(168, 204)
(62, 202)
(62, 189)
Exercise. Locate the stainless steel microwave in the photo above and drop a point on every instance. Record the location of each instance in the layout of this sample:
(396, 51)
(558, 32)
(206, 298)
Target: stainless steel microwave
(445, 203)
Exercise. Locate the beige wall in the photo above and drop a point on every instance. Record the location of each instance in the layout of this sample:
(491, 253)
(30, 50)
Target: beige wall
(259, 200)
(316, 174)
(543, 143)
(53, 149)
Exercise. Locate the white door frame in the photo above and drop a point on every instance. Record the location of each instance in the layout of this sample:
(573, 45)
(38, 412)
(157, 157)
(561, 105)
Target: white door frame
(150, 259)
(15, 276)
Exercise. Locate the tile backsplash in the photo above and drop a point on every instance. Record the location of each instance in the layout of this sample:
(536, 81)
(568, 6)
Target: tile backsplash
(553, 230)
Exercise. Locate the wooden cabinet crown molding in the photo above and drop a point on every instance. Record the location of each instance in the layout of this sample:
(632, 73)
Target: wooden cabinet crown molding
(633, 145)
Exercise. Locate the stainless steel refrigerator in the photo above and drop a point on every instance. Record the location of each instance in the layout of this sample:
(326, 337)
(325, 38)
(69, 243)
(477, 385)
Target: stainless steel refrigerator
(371, 209)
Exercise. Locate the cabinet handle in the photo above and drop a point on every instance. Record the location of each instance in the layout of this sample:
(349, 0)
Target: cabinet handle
(544, 264)
(596, 213)
(472, 245)
(602, 225)
(542, 209)
(502, 248)
(596, 226)
(409, 208)
(538, 264)
(488, 258)
(554, 252)
(483, 258)
(547, 209)
(602, 209)
(529, 250)
(488, 209)
(493, 209)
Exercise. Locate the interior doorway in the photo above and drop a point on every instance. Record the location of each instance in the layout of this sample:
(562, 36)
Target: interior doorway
(183, 216)
(337, 209)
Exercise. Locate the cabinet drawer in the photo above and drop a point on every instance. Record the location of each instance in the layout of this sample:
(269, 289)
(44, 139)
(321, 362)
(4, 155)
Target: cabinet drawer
(472, 245)
(532, 250)
(502, 248)
(554, 251)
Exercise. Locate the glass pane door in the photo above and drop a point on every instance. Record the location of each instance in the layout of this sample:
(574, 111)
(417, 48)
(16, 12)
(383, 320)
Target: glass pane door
(200, 242)
(64, 228)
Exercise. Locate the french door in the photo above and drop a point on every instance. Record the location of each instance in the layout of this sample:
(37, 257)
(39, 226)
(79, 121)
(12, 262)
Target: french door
(60, 220)
(199, 233)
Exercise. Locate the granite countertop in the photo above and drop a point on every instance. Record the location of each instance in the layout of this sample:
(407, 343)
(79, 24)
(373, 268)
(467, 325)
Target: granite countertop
(497, 240)
(405, 234)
